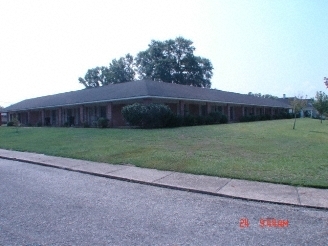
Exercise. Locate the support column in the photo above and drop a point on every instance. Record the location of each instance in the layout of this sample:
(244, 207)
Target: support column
(109, 114)
(181, 108)
(60, 117)
(208, 108)
(29, 117)
(228, 108)
(81, 115)
(243, 110)
(42, 117)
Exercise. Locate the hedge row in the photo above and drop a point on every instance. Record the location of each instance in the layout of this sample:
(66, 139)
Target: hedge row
(160, 116)
(283, 115)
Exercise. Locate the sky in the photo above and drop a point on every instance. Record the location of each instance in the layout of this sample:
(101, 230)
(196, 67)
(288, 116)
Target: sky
(262, 46)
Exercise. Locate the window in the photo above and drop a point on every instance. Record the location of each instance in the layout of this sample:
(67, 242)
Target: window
(216, 108)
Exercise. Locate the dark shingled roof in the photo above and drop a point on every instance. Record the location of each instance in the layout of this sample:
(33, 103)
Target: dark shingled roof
(142, 89)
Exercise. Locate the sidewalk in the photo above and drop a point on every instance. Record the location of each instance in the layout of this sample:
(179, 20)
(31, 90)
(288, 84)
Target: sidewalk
(233, 188)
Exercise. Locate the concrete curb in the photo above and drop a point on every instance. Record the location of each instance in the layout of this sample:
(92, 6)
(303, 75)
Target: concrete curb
(222, 187)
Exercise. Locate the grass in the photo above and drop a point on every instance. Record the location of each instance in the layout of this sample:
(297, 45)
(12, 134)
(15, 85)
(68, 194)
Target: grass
(267, 151)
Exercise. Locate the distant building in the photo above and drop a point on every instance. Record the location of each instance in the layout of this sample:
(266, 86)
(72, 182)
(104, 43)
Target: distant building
(307, 111)
(87, 105)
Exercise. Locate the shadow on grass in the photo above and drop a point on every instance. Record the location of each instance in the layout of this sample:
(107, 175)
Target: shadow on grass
(320, 132)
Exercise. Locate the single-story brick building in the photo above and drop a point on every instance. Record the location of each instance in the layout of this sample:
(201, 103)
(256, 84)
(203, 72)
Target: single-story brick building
(87, 105)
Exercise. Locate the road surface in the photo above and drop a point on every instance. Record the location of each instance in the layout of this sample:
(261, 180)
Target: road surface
(48, 206)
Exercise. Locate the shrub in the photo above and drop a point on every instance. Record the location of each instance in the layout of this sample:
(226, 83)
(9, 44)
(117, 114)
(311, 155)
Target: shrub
(245, 118)
(47, 121)
(160, 115)
(70, 120)
(66, 124)
(265, 117)
(149, 116)
(223, 119)
(156, 115)
(214, 118)
(188, 120)
(102, 122)
(133, 114)
(174, 121)
(10, 123)
(86, 125)
(250, 118)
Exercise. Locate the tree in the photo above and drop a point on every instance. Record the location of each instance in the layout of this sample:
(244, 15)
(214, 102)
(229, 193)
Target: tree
(321, 103)
(298, 104)
(94, 77)
(173, 61)
(326, 81)
(121, 70)
(263, 96)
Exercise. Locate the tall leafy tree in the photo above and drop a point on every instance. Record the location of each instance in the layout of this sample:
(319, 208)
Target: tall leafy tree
(118, 71)
(121, 70)
(94, 77)
(321, 103)
(173, 61)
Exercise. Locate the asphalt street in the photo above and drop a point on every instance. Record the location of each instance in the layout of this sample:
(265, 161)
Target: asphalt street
(48, 206)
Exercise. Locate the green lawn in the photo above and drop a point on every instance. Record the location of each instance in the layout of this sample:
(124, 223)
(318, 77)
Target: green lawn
(265, 151)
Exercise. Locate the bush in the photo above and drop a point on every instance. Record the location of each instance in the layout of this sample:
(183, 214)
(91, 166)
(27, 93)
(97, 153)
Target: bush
(86, 125)
(188, 120)
(133, 114)
(247, 118)
(10, 123)
(160, 115)
(223, 119)
(211, 118)
(149, 116)
(157, 115)
(174, 121)
(102, 122)
(214, 118)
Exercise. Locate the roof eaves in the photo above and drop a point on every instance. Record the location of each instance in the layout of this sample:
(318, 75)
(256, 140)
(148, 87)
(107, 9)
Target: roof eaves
(75, 104)
(143, 97)
(217, 101)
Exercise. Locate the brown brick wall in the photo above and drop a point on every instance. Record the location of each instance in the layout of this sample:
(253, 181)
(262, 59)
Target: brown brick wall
(35, 117)
(117, 118)
(194, 109)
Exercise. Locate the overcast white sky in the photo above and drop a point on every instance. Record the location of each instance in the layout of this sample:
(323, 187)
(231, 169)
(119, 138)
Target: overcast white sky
(266, 46)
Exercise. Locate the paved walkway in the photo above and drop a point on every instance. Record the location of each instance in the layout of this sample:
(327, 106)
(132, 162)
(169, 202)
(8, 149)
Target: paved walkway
(250, 190)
